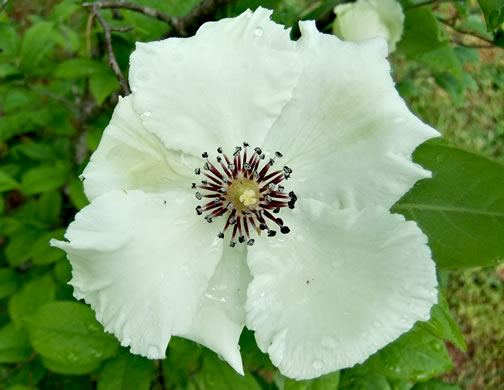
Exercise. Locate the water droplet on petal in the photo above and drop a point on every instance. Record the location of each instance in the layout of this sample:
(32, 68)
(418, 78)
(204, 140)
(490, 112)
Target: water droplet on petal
(346, 313)
(337, 264)
(134, 89)
(258, 31)
(146, 114)
(318, 364)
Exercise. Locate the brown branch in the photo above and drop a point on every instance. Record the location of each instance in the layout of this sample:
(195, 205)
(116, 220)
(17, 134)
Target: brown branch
(153, 13)
(107, 29)
(430, 2)
(179, 25)
(3, 5)
(465, 32)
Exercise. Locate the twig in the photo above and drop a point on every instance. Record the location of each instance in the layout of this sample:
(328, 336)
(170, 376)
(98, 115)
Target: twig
(180, 25)
(466, 32)
(132, 7)
(110, 50)
(3, 5)
(429, 2)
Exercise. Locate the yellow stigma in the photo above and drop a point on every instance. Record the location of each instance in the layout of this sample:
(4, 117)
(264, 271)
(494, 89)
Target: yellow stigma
(243, 193)
(248, 197)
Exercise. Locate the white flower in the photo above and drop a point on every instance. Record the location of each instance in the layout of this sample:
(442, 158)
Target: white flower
(366, 19)
(341, 278)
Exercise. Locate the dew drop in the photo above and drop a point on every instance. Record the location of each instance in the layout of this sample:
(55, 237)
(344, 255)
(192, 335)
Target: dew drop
(134, 89)
(258, 31)
(318, 364)
(346, 313)
(146, 114)
(436, 346)
(93, 327)
(337, 264)
(72, 357)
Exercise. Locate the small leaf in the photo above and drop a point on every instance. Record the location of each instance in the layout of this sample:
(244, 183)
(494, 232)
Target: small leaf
(70, 368)
(44, 178)
(126, 372)
(102, 84)
(461, 209)
(218, 375)
(33, 295)
(14, 344)
(38, 41)
(43, 253)
(20, 246)
(68, 333)
(8, 282)
(7, 183)
(326, 382)
(415, 356)
(49, 206)
(76, 193)
(443, 325)
(493, 11)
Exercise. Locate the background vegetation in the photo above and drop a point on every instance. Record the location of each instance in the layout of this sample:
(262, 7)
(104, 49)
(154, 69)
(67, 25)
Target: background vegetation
(57, 92)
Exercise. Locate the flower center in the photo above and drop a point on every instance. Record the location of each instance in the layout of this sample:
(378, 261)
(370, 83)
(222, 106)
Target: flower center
(244, 191)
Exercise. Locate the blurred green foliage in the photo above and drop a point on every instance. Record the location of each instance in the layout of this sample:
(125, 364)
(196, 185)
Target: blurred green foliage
(57, 93)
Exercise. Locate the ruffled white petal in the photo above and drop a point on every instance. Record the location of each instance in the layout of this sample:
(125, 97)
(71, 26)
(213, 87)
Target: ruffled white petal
(347, 134)
(144, 263)
(221, 87)
(366, 19)
(221, 315)
(129, 157)
(340, 286)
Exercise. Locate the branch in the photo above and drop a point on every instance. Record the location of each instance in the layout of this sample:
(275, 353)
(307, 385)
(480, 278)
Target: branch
(3, 5)
(180, 25)
(132, 7)
(107, 29)
(465, 32)
(430, 2)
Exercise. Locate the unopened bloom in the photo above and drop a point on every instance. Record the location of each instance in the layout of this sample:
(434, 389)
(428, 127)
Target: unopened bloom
(246, 182)
(365, 19)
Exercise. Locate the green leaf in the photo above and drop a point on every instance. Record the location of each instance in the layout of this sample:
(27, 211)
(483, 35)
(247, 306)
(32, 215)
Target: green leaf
(326, 382)
(49, 206)
(442, 324)
(451, 85)
(493, 11)
(70, 368)
(20, 246)
(78, 68)
(7, 183)
(359, 377)
(218, 375)
(461, 209)
(126, 372)
(415, 356)
(68, 333)
(422, 33)
(38, 41)
(183, 358)
(442, 59)
(33, 295)
(44, 178)
(76, 193)
(102, 84)
(8, 282)
(43, 253)
(7, 70)
(436, 385)
(14, 344)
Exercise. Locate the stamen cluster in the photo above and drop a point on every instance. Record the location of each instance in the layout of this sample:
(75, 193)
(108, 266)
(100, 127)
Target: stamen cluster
(245, 192)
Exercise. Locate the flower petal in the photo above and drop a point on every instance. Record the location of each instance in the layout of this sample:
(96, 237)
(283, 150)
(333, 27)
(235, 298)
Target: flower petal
(128, 157)
(221, 316)
(143, 262)
(366, 19)
(340, 286)
(347, 134)
(221, 87)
